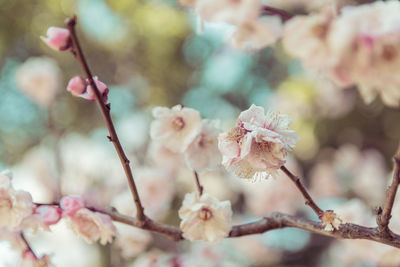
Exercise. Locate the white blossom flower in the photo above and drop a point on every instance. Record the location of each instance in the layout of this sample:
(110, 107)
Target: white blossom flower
(257, 147)
(93, 226)
(15, 205)
(330, 221)
(175, 128)
(205, 218)
(203, 152)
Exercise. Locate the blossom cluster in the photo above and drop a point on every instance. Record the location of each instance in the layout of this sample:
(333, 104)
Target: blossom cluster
(251, 32)
(181, 130)
(360, 46)
(19, 213)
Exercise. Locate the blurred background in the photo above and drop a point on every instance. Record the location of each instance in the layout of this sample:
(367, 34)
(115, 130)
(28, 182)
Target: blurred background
(149, 54)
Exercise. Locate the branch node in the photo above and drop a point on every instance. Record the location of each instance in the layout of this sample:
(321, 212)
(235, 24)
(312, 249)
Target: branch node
(109, 138)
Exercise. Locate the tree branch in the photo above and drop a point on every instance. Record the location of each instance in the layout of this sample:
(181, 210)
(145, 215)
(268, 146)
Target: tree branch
(28, 246)
(309, 201)
(271, 11)
(105, 110)
(199, 186)
(384, 215)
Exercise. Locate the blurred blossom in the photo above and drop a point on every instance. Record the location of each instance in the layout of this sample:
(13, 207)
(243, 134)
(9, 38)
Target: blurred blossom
(154, 258)
(36, 173)
(214, 255)
(133, 130)
(271, 195)
(131, 241)
(253, 248)
(156, 189)
(39, 78)
(160, 156)
(100, 22)
(363, 54)
(355, 253)
(255, 35)
(203, 153)
(356, 211)
(90, 168)
(351, 170)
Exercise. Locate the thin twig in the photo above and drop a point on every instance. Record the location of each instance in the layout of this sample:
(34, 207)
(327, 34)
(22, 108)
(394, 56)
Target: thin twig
(384, 216)
(199, 186)
(285, 16)
(105, 110)
(28, 246)
(309, 201)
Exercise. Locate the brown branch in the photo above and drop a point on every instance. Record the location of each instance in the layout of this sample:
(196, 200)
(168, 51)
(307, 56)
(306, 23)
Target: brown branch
(105, 110)
(346, 231)
(199, 186)
(277, 220)
(384, 215)
(271, 11)
(309, 201)
(28, 246)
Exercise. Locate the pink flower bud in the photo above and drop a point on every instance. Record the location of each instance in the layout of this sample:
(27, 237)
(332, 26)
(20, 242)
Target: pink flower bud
(28, 256)
(71, 204)
(58, 38)
(77, 86)
(103, 89)
(50, 214)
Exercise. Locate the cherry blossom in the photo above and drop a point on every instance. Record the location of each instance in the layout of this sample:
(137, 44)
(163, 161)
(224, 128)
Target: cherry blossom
(203, 152)
(93, 226)
(205, 218)
(257, 147)
(15, 205)
(175, 128)
(58, 38)
(71, 204)
(82, 88)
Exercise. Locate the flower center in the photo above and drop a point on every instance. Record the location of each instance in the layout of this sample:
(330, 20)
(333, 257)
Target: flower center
(178, 123)
(205, 214)
(5, 204)
(389, 52)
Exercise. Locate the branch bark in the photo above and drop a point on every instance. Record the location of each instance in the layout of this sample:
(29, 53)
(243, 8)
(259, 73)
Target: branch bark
(105, 110)
(199, 186)
(277, 220)
(309, 201)
(271, 11)
(385, 215)
(28, 246)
